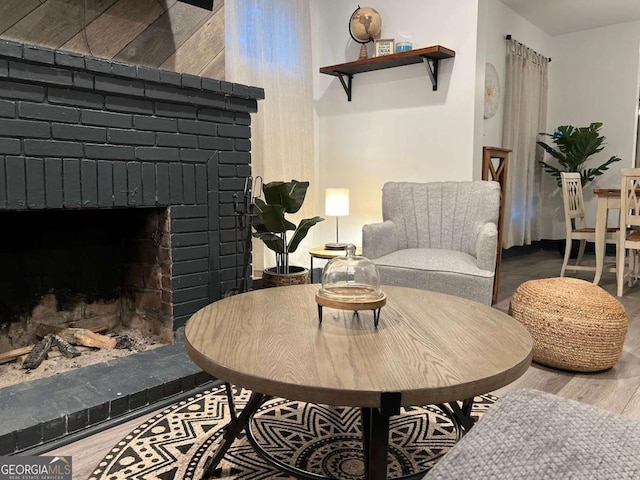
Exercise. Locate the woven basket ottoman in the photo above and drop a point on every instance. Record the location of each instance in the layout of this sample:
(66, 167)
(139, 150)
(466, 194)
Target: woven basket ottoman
(575, 324)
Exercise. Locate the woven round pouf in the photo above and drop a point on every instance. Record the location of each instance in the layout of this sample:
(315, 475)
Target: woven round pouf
(575, 324)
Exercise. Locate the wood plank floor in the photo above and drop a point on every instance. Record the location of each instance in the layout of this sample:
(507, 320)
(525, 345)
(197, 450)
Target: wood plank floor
(617, 389)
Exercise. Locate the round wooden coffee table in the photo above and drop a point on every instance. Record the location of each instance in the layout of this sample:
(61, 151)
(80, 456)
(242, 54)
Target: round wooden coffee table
(429, 348)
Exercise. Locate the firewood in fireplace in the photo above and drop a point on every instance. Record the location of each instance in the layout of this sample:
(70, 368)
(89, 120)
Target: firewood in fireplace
(77, 336)
(82, 336)
(98, 325)
(54, 353)
(11, 355)
(39, 353)
(65, 347)
(44, 329)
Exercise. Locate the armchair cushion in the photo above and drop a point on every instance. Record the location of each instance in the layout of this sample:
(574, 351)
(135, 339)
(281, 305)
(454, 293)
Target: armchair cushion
(436, 260)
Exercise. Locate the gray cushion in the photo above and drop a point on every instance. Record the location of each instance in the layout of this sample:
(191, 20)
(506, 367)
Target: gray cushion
(435, 260)
(530, 434)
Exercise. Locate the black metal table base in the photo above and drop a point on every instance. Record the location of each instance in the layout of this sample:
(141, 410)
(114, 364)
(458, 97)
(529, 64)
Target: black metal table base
(375, 435)
(459, 415)
(376, 315)
(234, 427)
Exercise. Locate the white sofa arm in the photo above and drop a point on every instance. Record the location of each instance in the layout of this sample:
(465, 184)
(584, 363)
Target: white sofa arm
(379, 239)
(487, 246)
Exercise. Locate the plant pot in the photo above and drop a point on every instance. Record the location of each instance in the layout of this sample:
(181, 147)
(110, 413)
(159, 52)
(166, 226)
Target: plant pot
(296, 276)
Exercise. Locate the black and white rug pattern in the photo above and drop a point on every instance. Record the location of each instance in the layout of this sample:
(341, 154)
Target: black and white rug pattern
(176, 443)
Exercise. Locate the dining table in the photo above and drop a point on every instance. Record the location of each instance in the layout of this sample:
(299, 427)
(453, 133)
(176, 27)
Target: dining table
(608, 199)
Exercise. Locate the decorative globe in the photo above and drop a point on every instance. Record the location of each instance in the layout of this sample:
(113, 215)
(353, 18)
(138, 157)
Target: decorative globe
(365, 23)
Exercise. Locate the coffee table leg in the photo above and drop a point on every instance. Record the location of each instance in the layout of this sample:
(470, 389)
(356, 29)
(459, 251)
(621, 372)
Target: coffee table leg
(375, 436)
(365, 416)
(232, 430)
(460, 415)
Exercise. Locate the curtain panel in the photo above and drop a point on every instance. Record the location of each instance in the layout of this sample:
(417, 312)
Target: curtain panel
(525, 115)
(268, 45)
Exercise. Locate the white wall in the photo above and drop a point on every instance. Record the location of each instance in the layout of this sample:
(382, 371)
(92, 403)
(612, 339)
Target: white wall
(595, 79)
(593, 76)
(395, 128)
(398, 129)
(501, 20)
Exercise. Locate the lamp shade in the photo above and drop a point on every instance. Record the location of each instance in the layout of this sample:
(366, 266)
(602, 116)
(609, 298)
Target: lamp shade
(336, 202)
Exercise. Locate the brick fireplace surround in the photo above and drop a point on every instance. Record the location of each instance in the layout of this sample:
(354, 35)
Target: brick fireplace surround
(79, 132)
(83, 133)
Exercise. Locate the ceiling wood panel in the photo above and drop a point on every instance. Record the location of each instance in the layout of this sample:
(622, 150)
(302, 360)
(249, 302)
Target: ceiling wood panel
(215, 69)
(159, 33)
(56, 21)
(11, 11)
(116, 28)
(164, 36)
(200, 49)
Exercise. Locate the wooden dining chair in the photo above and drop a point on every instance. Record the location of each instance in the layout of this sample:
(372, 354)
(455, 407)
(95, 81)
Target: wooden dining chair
(575, 223)
(629, 236)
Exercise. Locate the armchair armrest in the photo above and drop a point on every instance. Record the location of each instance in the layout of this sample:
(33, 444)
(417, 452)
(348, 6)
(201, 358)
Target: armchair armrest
(487, 246)
(379, 239)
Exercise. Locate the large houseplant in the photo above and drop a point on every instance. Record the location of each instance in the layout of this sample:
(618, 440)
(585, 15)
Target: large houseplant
(574, 146)
(272, 227)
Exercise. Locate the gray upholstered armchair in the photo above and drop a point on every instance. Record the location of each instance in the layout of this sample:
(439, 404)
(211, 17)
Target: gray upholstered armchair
(439, 236)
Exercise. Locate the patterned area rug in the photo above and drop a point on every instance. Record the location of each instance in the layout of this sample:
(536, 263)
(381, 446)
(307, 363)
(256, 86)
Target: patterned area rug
(176, 443)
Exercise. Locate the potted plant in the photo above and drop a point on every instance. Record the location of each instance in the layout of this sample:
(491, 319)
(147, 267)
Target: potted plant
(272, 228)
(574, 147)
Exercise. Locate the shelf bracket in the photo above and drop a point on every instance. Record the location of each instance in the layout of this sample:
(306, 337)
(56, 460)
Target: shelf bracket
(432, 70)
(346, 85)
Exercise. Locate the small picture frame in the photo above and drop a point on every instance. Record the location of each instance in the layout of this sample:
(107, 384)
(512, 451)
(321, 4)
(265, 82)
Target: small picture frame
(384, 46)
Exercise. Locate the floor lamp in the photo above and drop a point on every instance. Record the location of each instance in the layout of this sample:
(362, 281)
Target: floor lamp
(336, 205)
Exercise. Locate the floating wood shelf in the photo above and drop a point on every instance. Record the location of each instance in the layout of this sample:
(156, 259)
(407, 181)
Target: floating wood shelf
(430, 56)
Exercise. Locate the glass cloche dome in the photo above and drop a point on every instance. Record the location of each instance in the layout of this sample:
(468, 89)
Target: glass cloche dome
(350, 278)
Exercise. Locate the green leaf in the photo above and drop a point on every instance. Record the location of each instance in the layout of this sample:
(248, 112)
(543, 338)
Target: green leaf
(271, 240)
(591, 173)
(270, 218)
(552, 170)
(290, 194)
(551, 151)
(575, 146)
(302, 231)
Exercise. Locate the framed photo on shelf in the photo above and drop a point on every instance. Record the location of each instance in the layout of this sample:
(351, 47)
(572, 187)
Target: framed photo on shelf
(384, 46)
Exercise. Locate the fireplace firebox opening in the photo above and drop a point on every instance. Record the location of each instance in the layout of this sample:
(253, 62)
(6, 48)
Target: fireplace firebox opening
(61, 267)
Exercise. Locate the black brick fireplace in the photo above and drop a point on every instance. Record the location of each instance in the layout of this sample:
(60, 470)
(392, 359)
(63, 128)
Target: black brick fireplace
(82, 134)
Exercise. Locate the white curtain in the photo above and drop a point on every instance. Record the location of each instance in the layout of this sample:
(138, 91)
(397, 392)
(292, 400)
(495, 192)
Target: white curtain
(525, 116)
(268, 45)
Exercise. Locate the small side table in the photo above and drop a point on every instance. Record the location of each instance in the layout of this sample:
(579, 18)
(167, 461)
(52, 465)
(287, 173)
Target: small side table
(321, 252)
